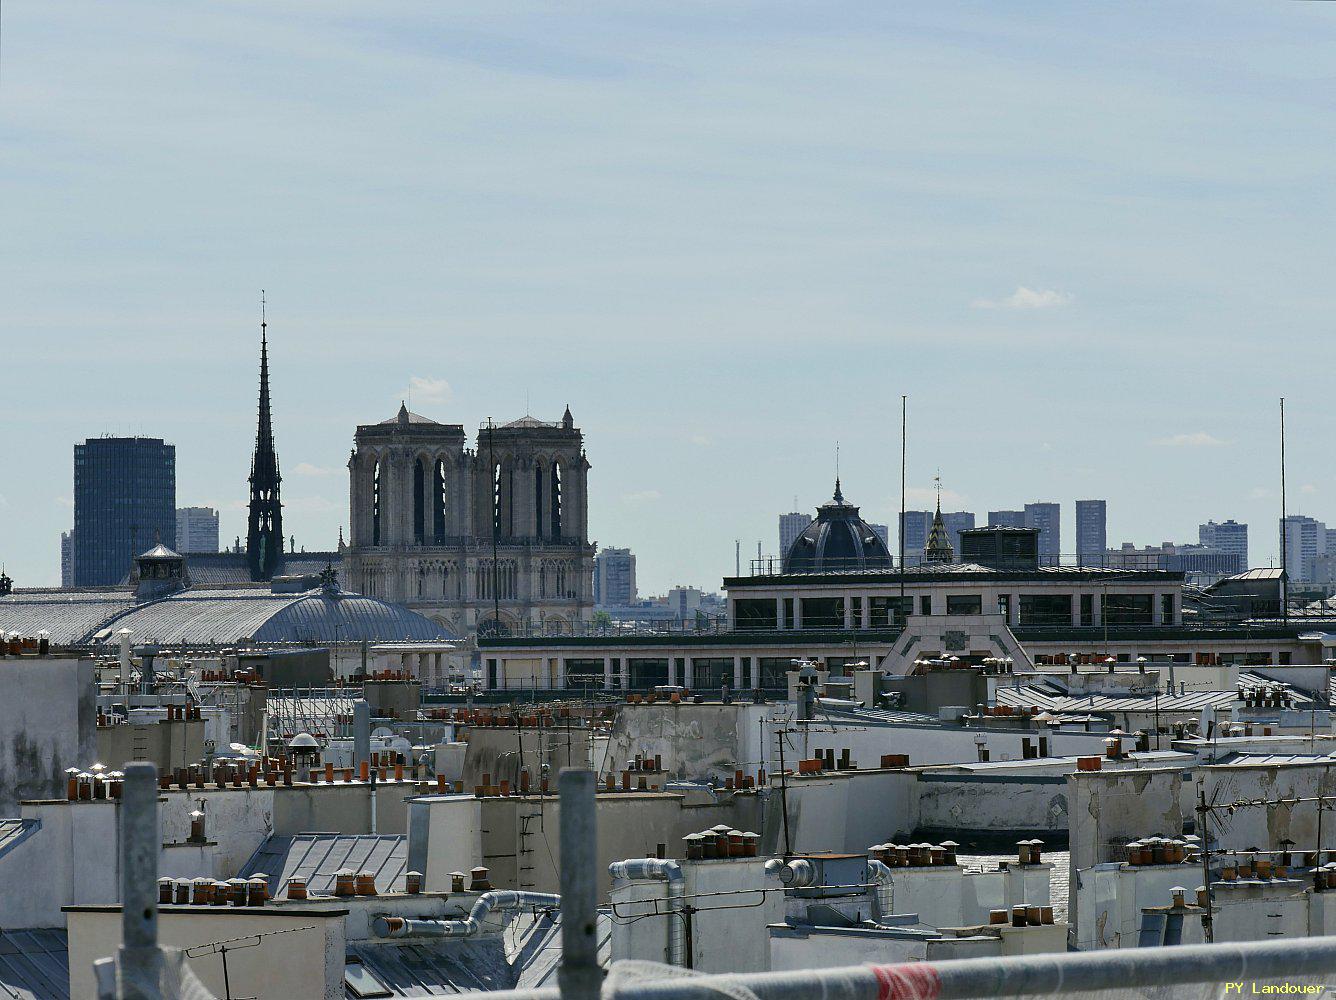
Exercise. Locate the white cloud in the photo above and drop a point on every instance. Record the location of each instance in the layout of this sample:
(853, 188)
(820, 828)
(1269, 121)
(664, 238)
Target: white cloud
(65, 502)
(1305, 488)
(307, 469)
(928, 495)
(1260, 493)
(701, 440)
(423, 390)
(1195, 439)
(1026, 298)
(644, 496)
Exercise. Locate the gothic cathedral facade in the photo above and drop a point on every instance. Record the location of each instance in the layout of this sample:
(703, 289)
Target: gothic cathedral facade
(428, 513)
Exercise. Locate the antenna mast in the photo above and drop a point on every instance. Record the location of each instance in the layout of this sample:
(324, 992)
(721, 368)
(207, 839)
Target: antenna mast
(1284, 526)
(904, 412)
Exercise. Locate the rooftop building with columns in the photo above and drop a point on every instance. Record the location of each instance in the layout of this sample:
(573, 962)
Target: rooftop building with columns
(489, 539)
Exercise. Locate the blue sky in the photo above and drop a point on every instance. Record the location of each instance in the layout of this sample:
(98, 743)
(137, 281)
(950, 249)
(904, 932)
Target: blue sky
(1092, 242)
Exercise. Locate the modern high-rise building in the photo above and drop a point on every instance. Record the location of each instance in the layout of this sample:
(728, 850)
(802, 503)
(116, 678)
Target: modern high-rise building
(1227, 536)
(917, 525)
(1092, 536)
(1007, 519)
(914, 528)
(791, 525)
(1304, 540)
(196, 530)
(67, 559)
(124, 503)
(1047, 517)
(615, 577)
(882, 531)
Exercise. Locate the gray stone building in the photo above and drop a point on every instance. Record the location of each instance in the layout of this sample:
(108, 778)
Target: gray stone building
(427, 513)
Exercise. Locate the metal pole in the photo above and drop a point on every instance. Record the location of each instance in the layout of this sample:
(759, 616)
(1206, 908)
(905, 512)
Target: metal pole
(1286, 959)
(1207, 924)
(784, 794)
(493, 483)
(139, 959)
(1284, 526)
(904, 425)
(580, 976)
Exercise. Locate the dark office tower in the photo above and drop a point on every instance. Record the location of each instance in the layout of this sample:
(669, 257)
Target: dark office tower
(124, 503)
(1091, 531)
(264, 531)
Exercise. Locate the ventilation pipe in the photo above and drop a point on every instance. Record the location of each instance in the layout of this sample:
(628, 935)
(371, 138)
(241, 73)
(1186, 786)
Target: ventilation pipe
(881, 876)
(669, 871)
(124, 659)
(499, 900)
(796, 874)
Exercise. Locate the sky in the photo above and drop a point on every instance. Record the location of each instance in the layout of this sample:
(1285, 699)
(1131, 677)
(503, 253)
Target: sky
(1091, 242)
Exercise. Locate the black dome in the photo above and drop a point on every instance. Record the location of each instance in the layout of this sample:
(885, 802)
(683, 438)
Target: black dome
(837, 540)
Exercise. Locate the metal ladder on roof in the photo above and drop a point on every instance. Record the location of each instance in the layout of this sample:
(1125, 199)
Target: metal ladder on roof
(523, 880)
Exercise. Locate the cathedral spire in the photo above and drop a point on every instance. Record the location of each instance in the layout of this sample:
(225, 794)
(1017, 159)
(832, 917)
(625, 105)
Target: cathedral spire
(264, 534)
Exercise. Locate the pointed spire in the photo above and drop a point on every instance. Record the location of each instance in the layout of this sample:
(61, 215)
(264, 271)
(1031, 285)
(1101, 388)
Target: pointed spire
(402, 415)
(567, 421)
(839, 495)
(939, 548)
(264, 533)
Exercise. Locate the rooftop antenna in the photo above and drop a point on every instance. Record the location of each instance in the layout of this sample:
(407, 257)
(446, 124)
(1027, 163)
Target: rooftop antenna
(1284, 526)
(904, 425)
(737, 557)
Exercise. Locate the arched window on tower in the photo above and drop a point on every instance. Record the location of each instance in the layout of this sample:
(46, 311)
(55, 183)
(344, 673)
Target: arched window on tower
(538, 499)
(439, 502)
(496, 500)
(555, 500)
(419, 502)
(510, 501)
(375, 504)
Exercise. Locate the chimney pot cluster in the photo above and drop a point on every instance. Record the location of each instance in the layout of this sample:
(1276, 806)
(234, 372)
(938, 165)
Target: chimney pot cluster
(1160, 851)
(720, 842)
(915, 855)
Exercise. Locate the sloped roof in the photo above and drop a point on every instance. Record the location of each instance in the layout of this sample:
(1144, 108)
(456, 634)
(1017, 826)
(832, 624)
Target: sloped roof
(212, 568)
(15, 831)
(160, 551)
(202, 617)
(524, 956)
(413, 418)
(35, 964)
(316, 857)
(71, 616)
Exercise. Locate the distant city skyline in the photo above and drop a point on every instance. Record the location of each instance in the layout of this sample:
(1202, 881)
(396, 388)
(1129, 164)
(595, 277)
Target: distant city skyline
(980, 243)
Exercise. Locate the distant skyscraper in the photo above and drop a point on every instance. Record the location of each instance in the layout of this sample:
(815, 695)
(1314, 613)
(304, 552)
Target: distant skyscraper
(124, 502)
(1305, 539)
(1047, 517)
(615, 577)
(883, 531)
(1007, 519)
(1091, 531)
(918, 524)
(196, 529)
(914, 528)
(790, 527)
(1227, 536)
(67, 559)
